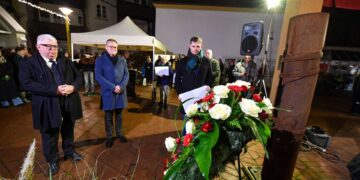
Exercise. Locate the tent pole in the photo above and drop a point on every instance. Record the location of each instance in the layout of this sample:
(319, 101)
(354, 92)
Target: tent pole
(72, 51)
(153, 97)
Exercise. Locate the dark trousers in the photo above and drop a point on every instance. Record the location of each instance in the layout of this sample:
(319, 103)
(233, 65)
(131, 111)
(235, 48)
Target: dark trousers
(50, 140)
(109, 122)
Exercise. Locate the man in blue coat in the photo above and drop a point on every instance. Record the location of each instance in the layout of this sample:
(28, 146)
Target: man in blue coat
(54, 85)
(112, 74)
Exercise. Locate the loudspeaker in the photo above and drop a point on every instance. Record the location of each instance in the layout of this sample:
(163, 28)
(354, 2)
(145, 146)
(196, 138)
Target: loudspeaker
(252, 38)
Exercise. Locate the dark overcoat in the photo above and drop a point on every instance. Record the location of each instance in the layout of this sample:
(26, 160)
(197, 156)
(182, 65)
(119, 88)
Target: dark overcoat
(35, 76)
(108, 76)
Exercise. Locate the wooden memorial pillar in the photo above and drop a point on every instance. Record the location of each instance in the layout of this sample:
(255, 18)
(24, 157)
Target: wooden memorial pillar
(301, 65)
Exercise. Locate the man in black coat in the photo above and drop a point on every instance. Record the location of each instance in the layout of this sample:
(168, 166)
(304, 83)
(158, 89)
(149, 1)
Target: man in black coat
(194, 70)
(54, 85)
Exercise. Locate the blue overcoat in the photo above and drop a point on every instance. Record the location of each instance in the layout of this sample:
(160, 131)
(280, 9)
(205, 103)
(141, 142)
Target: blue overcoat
(108, 76)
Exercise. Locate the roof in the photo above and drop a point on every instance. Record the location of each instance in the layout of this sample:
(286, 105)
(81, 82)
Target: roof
(6, 17)
(128, 35)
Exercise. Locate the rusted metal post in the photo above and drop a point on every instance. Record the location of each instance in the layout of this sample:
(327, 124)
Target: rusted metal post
(301, 65)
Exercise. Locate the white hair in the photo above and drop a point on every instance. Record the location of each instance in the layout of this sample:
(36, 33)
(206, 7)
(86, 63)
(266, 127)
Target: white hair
(41, 38)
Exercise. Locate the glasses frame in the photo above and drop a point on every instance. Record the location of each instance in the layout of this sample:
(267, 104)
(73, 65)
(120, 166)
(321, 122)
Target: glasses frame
(49, 46)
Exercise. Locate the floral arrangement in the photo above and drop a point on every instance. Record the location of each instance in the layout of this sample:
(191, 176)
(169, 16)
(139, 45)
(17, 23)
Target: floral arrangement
(217, 127)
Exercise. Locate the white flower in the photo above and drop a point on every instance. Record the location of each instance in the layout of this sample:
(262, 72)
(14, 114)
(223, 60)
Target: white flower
(220, 111)
(191, 110)
(249, 107)
(170, 144)
(216, 99)
(190, 127)
(239, 83)
(165, 172)
(268, 104)
(204, 106)
(221, 91)
(269, 107)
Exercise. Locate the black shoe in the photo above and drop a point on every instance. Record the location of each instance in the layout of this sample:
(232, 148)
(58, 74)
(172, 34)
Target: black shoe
(122, 139)
(74, 156)
(108, 143)
(53, 169)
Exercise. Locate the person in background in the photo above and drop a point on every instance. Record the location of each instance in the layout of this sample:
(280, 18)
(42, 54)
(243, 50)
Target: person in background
(112, 74)
(163, 82)
(19, 56)
(215, 67)
(147, 70)
(8, 89)
(88, 65)
(54, 84)
(246, 70)
(132, 75)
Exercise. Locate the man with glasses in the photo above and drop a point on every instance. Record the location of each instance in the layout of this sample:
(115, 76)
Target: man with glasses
(112, 74)
(54, 84)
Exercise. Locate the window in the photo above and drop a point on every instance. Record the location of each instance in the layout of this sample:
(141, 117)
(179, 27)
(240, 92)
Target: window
(103, 11)
(57, 19)
(80, 20)
(44, 16)
(98, 10)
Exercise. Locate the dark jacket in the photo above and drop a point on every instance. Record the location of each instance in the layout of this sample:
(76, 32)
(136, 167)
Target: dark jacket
(108, 76)
(35, 76)
(215, 71)
(186, 80)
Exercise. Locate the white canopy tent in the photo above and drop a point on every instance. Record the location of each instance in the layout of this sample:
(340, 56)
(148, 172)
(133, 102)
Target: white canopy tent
(128, 35)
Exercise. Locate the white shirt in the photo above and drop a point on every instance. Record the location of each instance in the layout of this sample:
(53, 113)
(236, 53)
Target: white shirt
(48, 63)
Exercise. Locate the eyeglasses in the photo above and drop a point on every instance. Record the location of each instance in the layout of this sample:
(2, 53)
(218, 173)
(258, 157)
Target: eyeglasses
(113, 47)
(49, 46)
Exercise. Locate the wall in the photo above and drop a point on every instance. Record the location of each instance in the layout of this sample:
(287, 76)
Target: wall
(220, 30)
(93, 22)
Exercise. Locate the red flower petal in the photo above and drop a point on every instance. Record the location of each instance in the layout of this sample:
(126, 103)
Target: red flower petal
(187, 139)
(257, 97)
(207, 127)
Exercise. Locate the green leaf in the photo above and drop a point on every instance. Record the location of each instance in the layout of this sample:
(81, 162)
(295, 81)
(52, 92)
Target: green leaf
(260, 131)
(203, 149)
(235, 123)
(178, 164)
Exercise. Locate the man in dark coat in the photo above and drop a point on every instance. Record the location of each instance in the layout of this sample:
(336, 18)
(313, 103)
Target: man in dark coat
(112, 74)
(215, 67)
(193, 71)
(54, 84)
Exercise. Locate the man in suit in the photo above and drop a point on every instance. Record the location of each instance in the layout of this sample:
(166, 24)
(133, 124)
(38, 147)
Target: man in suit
(112, 74)
(54, 85)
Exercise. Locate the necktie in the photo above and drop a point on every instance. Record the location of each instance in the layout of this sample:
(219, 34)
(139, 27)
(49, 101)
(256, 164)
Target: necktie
(56, 73)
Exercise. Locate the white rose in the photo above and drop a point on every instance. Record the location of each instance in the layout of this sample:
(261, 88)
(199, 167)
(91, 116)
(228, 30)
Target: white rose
(268, 104)
(240, 83)
(191, 110)
(220, 111)
(190, 127)
(165, 172)
(170, 144)
(249, 107)
(269, 107)
(204, 107)
(221, 91)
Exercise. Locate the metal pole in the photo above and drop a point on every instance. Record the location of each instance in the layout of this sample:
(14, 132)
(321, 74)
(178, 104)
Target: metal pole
(67, 26)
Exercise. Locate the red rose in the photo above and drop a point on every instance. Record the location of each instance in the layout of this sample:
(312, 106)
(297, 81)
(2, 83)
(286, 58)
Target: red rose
(263, 115)
(257, 97)
(206, 127)
(187, 139)
(178, 140)
(235, 88)
(208, 97)
(243, 89)
(252, 88)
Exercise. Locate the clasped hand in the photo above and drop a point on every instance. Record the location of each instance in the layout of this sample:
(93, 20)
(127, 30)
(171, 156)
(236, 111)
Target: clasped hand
(117, 89)
(65, 89)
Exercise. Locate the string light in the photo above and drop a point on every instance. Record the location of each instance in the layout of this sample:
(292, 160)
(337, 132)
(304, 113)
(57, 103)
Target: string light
(43, 9)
